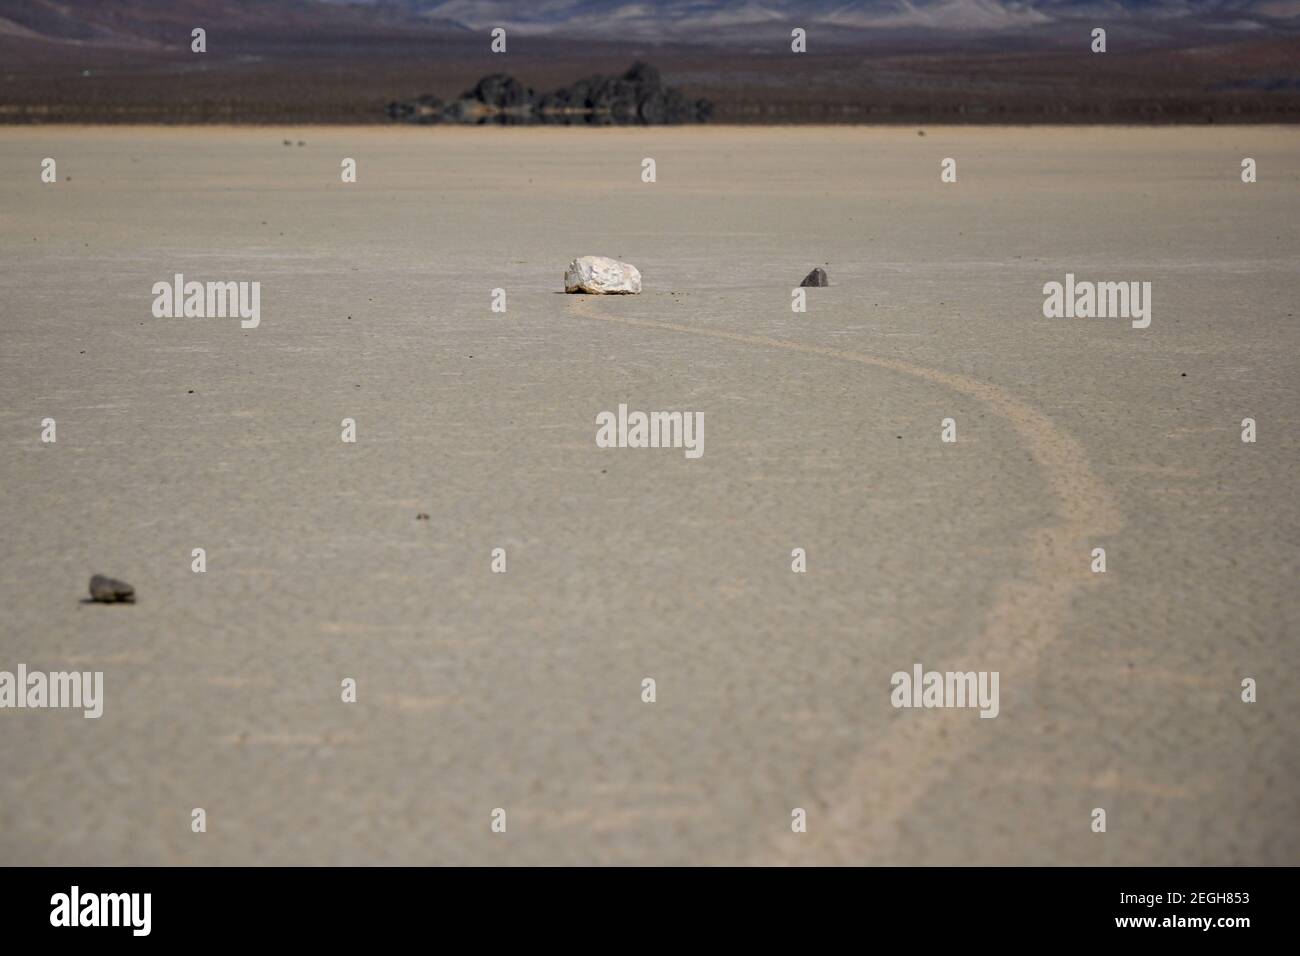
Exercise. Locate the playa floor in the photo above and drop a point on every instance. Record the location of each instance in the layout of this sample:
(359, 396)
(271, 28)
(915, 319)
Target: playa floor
(523, 690)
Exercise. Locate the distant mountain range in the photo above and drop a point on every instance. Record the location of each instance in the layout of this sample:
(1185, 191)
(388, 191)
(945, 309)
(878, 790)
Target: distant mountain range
(877, 61)
(709, 21)
(725, 23)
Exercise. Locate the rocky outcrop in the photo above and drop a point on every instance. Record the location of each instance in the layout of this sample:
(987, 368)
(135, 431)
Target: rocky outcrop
(637, 97)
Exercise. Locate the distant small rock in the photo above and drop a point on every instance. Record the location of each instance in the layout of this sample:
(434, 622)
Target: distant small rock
(108, 590)
(599, 275)
(815, 279)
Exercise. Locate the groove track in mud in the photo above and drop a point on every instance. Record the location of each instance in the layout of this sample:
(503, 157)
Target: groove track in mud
(892, 773)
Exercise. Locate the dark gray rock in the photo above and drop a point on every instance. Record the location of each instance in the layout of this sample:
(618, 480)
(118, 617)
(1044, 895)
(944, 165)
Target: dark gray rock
(815, 279)
(500, 91)
(644, 76)
(108, 590)
(427, 109)
(458, 111)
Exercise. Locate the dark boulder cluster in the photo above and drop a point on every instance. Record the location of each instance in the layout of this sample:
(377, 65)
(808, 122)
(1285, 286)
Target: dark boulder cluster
(637, 97)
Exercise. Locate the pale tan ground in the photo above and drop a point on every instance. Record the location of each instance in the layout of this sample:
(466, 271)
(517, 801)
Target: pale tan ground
(522, 690)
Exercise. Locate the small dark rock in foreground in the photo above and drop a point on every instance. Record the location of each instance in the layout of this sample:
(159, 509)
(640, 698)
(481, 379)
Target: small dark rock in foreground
(108, 590)
(815, 279)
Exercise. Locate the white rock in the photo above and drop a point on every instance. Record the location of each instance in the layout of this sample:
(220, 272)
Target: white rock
(597, 275)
